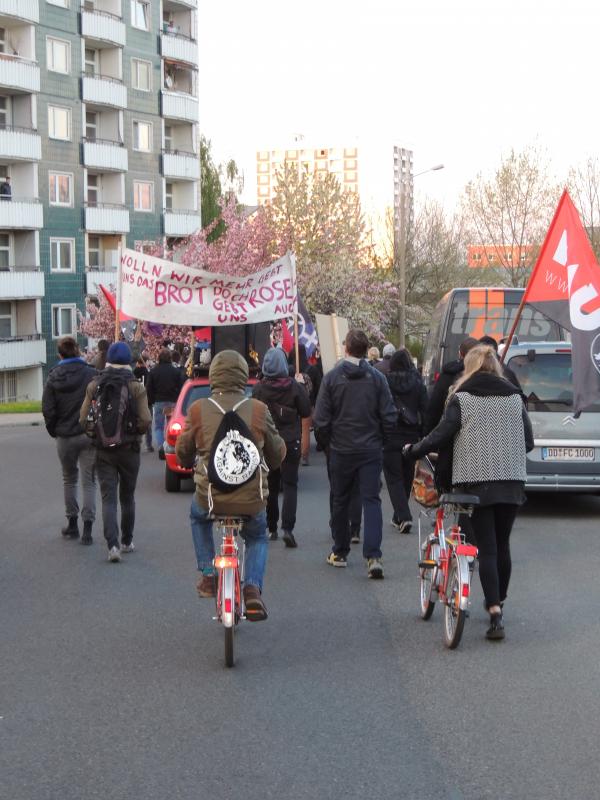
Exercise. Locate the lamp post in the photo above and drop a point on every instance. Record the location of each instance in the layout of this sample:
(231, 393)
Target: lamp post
(400, 250)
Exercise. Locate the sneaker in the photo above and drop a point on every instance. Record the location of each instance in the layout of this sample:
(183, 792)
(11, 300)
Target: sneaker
(496, 630)
(71, 531)
(404, 526)
(207, 586)
(394, 522)
(336, 561)
(289, 539)
(114, 555)
(256, 611)
(375, 568)
(127, 548)
(272, 536)
(355, 537)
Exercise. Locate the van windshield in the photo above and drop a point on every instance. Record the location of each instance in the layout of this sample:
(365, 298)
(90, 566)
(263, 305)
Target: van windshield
(546, 380)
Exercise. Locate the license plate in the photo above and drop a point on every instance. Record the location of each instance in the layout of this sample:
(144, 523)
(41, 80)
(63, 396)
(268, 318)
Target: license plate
(568, 454)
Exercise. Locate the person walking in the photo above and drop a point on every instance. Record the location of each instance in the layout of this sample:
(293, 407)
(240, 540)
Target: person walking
(303, 375)
(61, 401)
(289, 405)
(354, 415)
(164, 384)
(140, 373)
(100, 360)
(450, 373)
(228, 377)
(384, 364)
(490, 432)
(410, 398)
(117, 467)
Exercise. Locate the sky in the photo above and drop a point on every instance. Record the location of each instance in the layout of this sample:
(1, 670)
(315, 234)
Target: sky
(460, 82)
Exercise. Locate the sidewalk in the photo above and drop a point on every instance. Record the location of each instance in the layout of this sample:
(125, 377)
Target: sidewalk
(12, 420)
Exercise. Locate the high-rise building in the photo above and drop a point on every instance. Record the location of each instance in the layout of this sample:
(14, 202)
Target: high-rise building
(98, 134)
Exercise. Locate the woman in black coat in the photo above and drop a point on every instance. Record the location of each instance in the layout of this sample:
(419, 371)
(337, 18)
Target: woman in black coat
(410, 397)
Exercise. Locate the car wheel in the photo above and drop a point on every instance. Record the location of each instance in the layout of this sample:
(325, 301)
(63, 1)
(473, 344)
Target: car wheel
(172, 481)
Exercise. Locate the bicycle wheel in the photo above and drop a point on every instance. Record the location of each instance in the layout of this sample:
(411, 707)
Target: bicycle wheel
(430, 552)
(229, 661)
(228, 611)
(454, 616)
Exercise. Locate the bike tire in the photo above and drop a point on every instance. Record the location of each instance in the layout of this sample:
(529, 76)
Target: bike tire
(229, 658)
(430, 551)
(454, 616)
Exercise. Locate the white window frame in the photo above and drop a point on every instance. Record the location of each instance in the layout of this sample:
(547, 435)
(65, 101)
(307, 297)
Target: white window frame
(57, 202)
(72, 307)
(135, 191)
(94, 250)
(49, 60)
(95, 64)
(10, 316)
(168, 196)
(145, 3)
(51, 109)
(134, 74)
(95, 187)
(58, 241)
(60, 3)
(90, 125)
(136, 146)
(8, 249)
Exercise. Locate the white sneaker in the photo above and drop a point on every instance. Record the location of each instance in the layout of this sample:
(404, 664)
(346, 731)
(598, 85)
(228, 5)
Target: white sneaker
(128, 548)
(114, 555)
(405, 526)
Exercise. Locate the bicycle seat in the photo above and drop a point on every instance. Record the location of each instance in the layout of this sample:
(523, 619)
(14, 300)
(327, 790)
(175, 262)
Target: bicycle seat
(455, 499)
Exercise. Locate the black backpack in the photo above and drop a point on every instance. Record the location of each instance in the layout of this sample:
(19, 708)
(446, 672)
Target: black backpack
(234, 456)
(406, 416)
(112, 418)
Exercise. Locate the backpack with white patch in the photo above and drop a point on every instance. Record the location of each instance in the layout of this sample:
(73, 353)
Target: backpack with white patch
(112, 418)
(234, 456)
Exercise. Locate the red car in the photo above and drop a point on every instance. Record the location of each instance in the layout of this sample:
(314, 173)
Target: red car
(192, 390)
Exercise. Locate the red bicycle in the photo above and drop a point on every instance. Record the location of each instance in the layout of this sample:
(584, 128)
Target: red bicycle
(229, 564)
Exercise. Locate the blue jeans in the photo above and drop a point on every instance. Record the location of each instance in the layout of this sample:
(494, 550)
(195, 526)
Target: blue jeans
(254, 534)
(344, 470)
(158, 421)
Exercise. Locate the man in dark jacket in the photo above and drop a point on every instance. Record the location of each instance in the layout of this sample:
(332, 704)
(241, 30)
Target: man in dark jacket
(163, 387)
(288, 402)
(355, 413)
(61, 402)
(450, 373)
(509, 375)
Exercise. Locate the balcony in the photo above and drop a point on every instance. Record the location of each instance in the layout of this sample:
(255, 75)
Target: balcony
(107, 218)
(104, 154)
(21, 213)
(179, 48)
(94, 276)
(179, 222)
(186, 3)
(176, 105)
(20, 144)
(27, 10)
(102, 90)
(179, 164)
(102, 26)
(19, 74)
(18, 352)
(21, 283)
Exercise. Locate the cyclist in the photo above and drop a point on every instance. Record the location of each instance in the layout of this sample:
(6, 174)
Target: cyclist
(228, 377)
(491, 432)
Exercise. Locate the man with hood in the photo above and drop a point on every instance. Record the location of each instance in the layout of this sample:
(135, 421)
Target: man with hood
(288, 404)
(228, 377)
(355, 414)
(450, 373)
(61, 401)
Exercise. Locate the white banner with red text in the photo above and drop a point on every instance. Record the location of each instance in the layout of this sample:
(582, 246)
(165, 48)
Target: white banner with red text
(163, 291)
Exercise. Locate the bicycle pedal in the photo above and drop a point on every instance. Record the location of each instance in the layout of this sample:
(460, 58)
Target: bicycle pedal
(429, 564)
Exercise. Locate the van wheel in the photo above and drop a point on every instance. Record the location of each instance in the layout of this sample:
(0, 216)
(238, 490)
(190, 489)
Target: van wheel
(172, 481)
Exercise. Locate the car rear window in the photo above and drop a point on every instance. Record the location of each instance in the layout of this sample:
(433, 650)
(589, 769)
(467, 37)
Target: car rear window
(546, 380)
(198, 392)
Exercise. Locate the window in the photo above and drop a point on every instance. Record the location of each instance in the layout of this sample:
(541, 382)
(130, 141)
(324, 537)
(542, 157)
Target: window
(62, 253)
(91, 61)
(58, 55)
(63, 321)
(141, 75)
(168, 138)
(2, 40)
(140, 14)
(91, 125)
(59, 123)
(142, 195)
(92, 190)
(61, 189)
(93, 251)
(168, 196)
(142, 136)
(4, 112)
(5, 319)
(61, 3)
(4, 251)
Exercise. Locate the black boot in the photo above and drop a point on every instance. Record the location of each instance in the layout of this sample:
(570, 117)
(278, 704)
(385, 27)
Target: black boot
(289, 539)
(86, 537)
(71, 531)
(496, 629)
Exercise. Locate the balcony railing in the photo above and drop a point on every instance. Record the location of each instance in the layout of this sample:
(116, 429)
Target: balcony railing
(179, 164)
(179, 47)
(105, 154)
(103, 90)
(19, 74)
(21, 283)
(187, 3)
(17, 352)
(107, 218)
(176, 105)
(21, 212)
(28, 10)
(21, 144)
(181, 222)
(102, 26)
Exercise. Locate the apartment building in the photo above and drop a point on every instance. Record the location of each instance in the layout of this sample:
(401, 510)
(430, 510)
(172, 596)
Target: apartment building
(98, 134)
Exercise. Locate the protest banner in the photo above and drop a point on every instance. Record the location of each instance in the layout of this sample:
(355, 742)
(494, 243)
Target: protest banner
(169, 293)
(332, 331)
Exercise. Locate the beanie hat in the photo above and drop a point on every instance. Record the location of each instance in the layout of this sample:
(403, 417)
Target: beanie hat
(389, 350)
(275, 364)
(119, 353)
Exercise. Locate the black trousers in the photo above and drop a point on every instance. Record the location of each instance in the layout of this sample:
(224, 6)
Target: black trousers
(399, 473)
(117, 472)
(355, 509)
(344, 470)
(287, 477)
(492, 526)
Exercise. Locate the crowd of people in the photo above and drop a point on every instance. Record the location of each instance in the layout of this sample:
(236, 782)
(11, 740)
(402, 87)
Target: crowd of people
(370, 416)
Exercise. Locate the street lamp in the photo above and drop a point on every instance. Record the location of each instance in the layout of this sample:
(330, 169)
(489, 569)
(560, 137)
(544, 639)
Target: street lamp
(400, 249)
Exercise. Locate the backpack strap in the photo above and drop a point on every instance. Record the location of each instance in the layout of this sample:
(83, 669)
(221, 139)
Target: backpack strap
(237, 405)
(214, 402)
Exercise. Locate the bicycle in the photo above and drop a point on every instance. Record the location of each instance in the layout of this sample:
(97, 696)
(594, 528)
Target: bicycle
(229, 565)
(446, 565)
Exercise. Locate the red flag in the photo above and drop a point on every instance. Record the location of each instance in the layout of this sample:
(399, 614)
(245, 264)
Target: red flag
(287, 339)
(113, 304)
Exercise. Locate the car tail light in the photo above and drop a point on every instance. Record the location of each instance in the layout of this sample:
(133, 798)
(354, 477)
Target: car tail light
(173, 431)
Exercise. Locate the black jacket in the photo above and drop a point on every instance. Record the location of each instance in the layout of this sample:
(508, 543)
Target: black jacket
(63, 396)
(408, 392)
(437, 398)
(355, 411)
(164, 384)
(287, 401)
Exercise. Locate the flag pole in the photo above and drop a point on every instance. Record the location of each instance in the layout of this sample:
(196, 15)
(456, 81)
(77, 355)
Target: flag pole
(296, 342)
(514, 327)
(118, 296)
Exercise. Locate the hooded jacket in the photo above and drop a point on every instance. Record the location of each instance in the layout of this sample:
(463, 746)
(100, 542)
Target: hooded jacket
(63, 395)
(407, 390)
(354, 411)
(450, 373)
(287, 401)
(228, 378)
(138, 394)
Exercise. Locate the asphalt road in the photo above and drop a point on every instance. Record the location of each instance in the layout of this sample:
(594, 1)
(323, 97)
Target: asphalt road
(112, 684)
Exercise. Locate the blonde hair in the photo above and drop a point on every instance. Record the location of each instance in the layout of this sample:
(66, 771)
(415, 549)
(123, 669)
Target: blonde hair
(373, 352)
(481, 358)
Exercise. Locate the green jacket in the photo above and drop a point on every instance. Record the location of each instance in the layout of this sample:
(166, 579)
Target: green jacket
(138, 393)
(228, 379)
